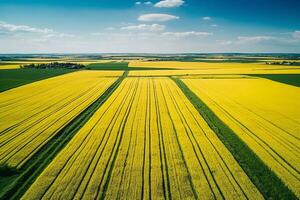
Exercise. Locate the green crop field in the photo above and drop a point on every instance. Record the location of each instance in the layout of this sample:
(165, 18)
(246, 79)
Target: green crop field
(11, 78)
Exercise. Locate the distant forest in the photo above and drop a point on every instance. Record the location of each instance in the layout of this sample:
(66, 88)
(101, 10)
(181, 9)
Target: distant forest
(54, 65)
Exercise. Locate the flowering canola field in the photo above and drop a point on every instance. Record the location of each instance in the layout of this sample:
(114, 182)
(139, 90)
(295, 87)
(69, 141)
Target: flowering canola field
(173, 68)
(264, 114)
(148, 134)
(146, 141)
(32, 114)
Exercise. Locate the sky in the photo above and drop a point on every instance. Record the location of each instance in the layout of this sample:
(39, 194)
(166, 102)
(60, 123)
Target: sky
(155, 26)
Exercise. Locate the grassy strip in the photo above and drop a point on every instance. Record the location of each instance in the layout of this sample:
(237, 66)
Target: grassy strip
(120, 66)
(11, 78)
(108, 66)
(14, 186)
(290, 79)
(263, 178)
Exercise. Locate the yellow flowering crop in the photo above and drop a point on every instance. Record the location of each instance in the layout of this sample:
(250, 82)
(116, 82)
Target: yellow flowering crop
(146, 141)
(264, 114)
(172, 68)
(32, 114)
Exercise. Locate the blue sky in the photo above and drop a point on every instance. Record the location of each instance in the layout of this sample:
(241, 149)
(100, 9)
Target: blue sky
(167, 26)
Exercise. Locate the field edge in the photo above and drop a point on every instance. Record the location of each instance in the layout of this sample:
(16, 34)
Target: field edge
(30, 171)
(263, 178)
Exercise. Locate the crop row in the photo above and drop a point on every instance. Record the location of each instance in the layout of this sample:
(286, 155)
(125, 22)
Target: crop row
(264, 114)
(31, 115)
(146, 141)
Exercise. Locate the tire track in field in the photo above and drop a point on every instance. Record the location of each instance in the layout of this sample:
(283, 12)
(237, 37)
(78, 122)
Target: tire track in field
(178, 144)
(41, 119)
(28, 138)
(48, 126)
(106, 132)
(180, 147)
(67, 122)
(200, 163)
(281, 139)
(164, 165)
(256, 168)
(258, 141)
(94, 142)
(136, 144)
(47, 108)
(190, 136)
(211, 143)
(94, 156)
(119, 158)
(80, 148)
(35, 166)
(115, 150)
(46, 114)
(147, 128)
(16, 100)
(127, 155)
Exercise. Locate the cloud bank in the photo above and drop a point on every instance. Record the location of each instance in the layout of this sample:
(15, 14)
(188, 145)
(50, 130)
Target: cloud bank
(144, 27)
(169, 3)
(157, 17)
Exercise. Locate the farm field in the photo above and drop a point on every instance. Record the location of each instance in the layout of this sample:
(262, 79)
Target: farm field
(16, 64)
(169, 73)
(46, 107)
(12, 78)
(129, 128)
(182, 65)
(264, 114)
(149, 100)
(146, 141)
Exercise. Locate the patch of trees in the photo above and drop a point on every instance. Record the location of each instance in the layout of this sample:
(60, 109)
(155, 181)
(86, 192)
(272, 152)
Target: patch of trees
(54, 65)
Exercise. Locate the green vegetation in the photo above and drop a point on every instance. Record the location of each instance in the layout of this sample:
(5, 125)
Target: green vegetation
(11, 78)
(264, 179)
(53, 65)
(119, 66)
(291, 79)
(13, 184)
(109, 66)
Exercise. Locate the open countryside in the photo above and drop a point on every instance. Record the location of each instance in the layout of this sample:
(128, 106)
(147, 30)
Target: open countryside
(149, 100)
(153, 132)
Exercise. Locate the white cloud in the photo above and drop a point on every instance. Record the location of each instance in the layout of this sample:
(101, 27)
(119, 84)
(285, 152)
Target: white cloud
(138, 3)
(246, 39)
(13, 30)
(169, 3)
(206, 18)
(296, 35)
(23, 28)
(59, 35)
(157, 17)
(214, 25)
(186, 34)
(144, 27)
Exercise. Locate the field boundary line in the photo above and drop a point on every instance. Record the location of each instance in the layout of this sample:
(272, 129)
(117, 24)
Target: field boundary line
(270, 186)
(19, 182)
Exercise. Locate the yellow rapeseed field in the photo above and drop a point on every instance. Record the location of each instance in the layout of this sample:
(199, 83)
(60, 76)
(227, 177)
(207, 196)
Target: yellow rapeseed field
(172, 68)
(9, 66)
(146, 141)
(264, 114)
(161, 73)
(32, 114)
